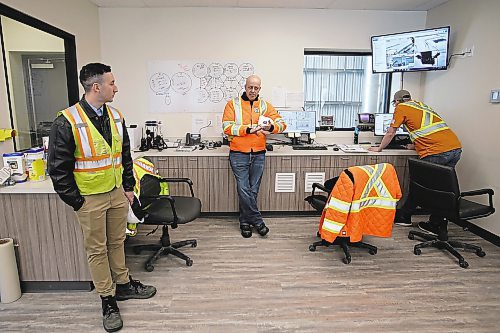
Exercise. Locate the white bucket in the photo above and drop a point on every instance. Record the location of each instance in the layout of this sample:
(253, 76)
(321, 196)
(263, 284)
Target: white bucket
(35, 164)
(16, 163)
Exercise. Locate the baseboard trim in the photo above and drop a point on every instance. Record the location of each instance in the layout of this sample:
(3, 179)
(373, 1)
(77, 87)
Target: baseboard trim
(55, 286)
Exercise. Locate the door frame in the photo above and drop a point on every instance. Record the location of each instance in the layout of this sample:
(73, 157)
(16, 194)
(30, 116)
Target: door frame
(69, 53)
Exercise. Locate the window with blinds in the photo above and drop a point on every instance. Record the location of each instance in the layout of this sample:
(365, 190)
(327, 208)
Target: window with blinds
(342, 85)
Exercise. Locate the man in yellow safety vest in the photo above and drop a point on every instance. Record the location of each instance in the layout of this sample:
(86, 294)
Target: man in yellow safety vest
(91, 169)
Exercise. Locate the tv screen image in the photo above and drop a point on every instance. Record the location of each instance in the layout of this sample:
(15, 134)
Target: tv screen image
(421, 50)
(383, 122)
(299, 121)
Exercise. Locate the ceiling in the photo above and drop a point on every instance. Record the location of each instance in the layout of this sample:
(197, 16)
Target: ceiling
(404, 5)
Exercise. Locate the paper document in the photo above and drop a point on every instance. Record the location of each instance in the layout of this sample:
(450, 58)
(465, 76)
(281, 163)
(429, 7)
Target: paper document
(352, 149)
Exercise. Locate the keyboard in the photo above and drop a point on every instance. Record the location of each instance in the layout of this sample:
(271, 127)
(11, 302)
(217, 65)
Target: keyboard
(186, 149)
(352, 149)
(307, 147)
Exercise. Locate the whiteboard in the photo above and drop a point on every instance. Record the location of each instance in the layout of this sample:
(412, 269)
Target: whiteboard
(195, 86)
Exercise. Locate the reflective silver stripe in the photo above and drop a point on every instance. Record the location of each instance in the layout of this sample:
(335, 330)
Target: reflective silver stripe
(262, 107)
(118, 160)
(339, 205)
(374, 177)
(80, 126)
(117, 119)
(235, 129)
(386, 203)
(86, 165)
(420, 133)
(279, 122)
(332, 226)
(238, 115)
(145, 166)
(226, 124)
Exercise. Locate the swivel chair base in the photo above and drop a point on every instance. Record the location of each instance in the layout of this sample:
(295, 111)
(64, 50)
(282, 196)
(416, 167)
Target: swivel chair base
(344, 242)
(444, 244)
(165, 248)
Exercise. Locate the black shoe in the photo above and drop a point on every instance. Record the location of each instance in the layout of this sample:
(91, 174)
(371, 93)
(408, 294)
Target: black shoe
(262, 229)
(402, 221)
(111, 319)
(428, 228)
(246, 230)
(134, 289)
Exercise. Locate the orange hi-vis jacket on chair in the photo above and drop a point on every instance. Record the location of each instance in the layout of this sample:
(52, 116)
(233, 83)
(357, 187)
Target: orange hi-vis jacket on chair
(365, 206)
(239, 115)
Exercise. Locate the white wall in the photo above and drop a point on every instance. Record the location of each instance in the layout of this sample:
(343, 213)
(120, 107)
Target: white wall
(274, 39)
(77, 17)
(461, 94)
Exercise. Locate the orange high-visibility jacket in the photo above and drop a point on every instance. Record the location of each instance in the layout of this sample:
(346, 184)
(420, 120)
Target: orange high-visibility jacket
(238, 116)
(365, 206)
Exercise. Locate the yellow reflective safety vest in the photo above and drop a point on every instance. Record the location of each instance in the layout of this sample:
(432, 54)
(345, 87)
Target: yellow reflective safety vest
(365, 206)
(98, 167)
(427, 126)
(143, 167)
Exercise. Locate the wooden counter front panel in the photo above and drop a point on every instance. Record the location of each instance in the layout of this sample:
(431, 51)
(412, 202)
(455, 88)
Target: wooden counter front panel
(49, 238)
(215, 185)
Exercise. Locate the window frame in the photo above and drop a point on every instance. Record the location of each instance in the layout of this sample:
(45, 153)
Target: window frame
(387, 90)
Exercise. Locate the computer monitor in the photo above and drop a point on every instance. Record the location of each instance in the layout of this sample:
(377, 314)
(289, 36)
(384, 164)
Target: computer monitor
(299, 121)
(423, 50)
(383, 121)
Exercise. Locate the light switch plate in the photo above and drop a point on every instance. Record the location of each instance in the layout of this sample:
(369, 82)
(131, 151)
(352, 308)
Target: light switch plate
(495, 96)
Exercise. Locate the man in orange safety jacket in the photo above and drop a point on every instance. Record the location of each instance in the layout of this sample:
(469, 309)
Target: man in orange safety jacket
(246, 121)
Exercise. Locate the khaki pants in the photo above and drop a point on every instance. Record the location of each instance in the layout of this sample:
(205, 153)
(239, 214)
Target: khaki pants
(103, 219)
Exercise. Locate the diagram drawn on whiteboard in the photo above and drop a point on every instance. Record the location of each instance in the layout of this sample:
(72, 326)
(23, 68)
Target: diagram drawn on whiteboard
(195, 86)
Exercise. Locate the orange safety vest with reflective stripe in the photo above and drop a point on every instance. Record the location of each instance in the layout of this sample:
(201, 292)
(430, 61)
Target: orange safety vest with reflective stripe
(98, 167)
(427, 130)
(363, 207)
(238, 116)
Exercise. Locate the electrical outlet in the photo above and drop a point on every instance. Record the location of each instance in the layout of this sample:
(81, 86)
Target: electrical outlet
(469, 52)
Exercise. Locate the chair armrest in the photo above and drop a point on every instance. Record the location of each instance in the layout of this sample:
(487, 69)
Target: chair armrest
(320, 186)
(483, 191)
(171, 201)
(179, 180)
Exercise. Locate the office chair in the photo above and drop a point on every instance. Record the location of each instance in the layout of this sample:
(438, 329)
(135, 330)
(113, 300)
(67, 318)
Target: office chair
(166, 210)
(318, 202)
(435, 187)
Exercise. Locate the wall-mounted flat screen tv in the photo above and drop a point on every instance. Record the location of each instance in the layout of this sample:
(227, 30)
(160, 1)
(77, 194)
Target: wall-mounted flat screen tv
(422, 50)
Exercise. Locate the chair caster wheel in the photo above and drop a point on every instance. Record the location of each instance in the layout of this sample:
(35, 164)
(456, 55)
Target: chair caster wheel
(347, 260)
(411, 236)
(372, 252)
(189, 262)
(194, 244)
(149, 267)
(463, 263)
(137, 251)
(417, 252)
(480, 253)
(312, 248)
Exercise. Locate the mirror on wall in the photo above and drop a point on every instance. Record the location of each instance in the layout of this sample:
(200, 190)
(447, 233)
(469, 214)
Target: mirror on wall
(40, 74)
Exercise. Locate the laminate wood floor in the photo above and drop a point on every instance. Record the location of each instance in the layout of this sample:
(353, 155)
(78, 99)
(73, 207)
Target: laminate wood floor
(275, 284)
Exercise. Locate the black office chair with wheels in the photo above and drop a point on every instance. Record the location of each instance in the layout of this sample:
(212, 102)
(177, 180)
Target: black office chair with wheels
(166, 210)
(318, 202)
(435, 188)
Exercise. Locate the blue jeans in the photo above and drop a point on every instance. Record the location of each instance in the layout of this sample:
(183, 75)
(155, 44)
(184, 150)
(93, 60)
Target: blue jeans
(448, 158)
(248, 170)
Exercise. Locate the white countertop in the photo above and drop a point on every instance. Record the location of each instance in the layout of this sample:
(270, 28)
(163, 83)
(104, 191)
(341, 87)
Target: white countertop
(278, 150)
(32, 187)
